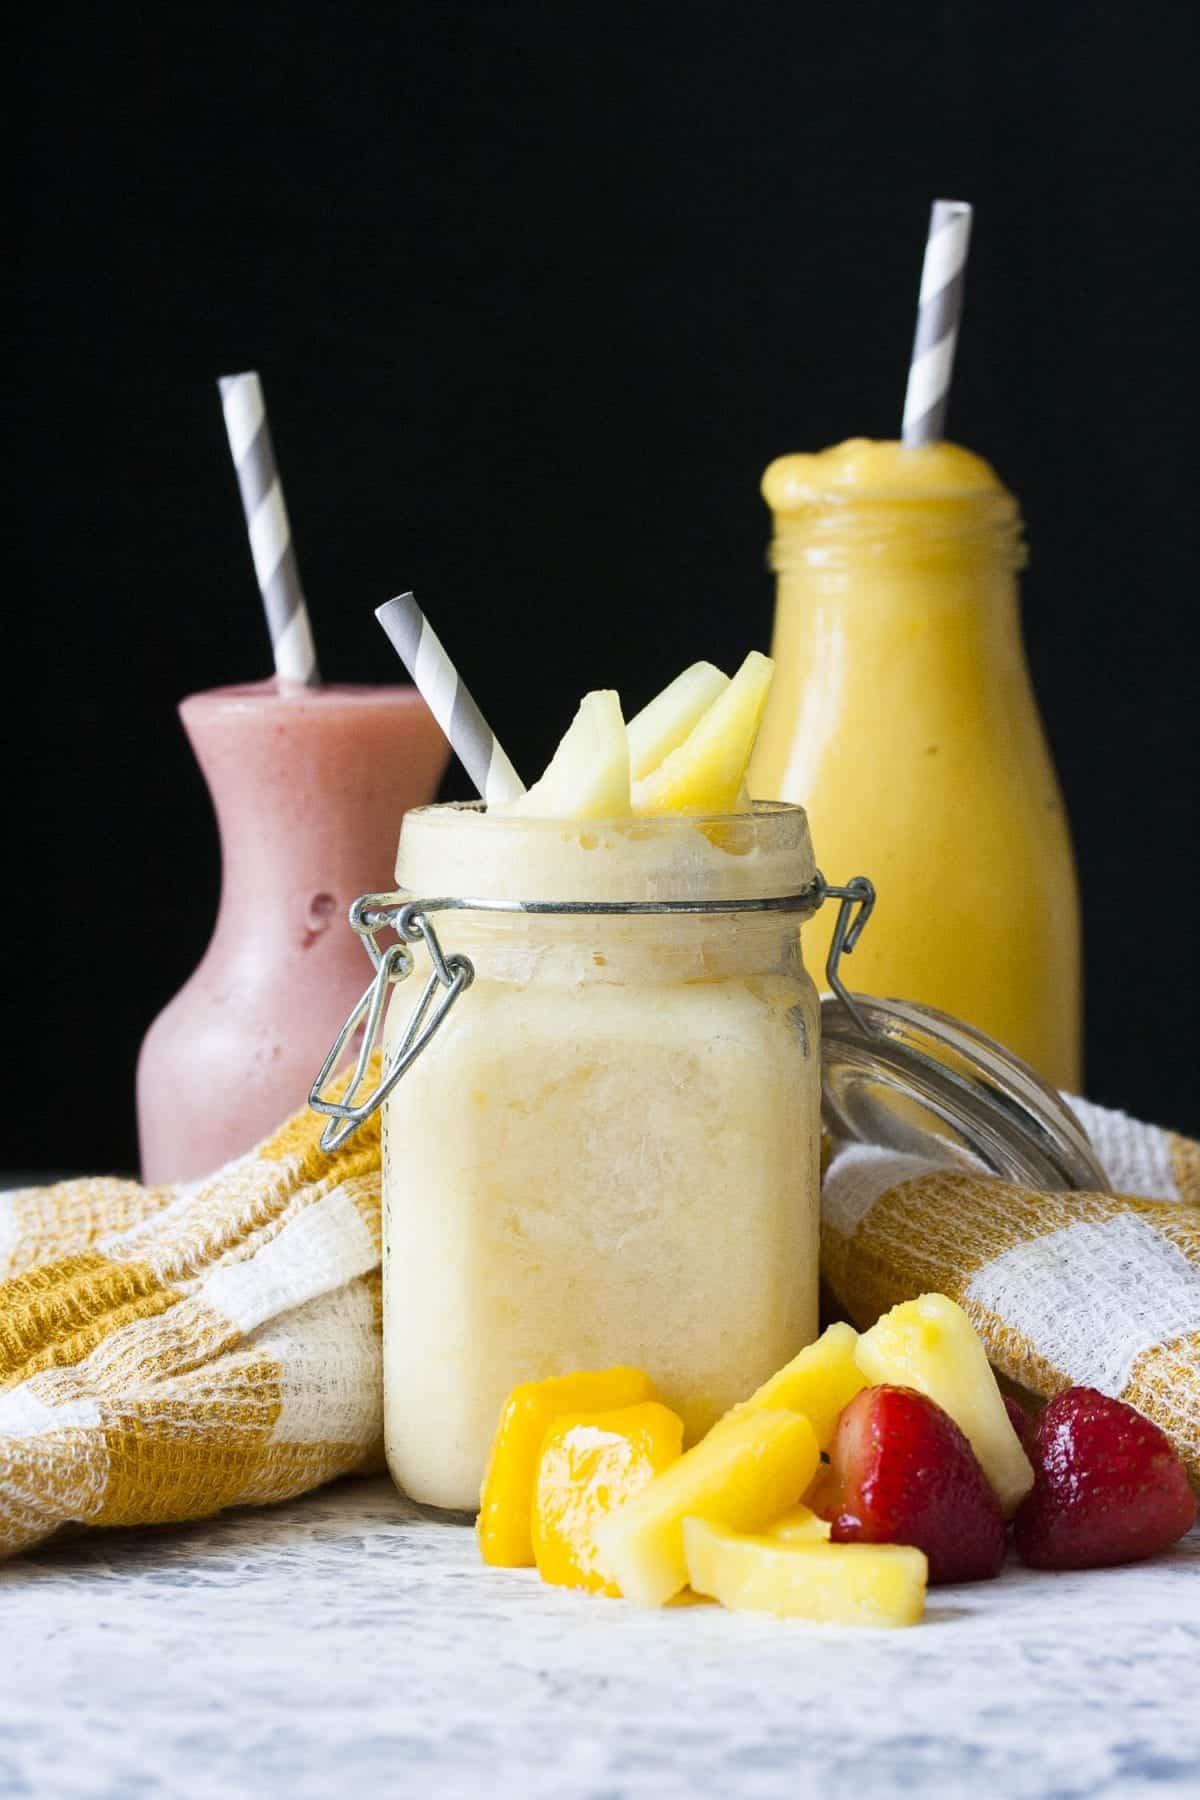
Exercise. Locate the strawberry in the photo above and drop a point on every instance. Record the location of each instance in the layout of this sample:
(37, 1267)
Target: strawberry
(1022, 1423)
(901, 1472)
(1108, 1486)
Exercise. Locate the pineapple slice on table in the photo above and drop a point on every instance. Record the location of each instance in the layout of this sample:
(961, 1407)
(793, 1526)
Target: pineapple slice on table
(590, 1464)
(588, 775)
(931, 1345)
(744, 1474)
(506, 1500)
(799, 1525)
(839, 1584)
(671, 716)
(707, 772)
(819, 1382)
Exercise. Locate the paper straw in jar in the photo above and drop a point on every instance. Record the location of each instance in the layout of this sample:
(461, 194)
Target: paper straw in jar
(939, 310)
(441, 687)
(267, 524)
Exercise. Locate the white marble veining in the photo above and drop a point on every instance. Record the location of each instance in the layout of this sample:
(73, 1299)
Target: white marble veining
(344, 1644)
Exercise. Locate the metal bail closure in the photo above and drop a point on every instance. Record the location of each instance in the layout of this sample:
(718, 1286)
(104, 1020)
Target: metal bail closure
(452, 975)
(858, 893)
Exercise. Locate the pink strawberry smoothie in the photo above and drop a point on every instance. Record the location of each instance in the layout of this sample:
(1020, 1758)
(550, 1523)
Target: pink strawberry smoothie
(309, 787)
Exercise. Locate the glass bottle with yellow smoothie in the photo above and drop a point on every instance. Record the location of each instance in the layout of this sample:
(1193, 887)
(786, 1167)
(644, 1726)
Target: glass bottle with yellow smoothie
(903, 717)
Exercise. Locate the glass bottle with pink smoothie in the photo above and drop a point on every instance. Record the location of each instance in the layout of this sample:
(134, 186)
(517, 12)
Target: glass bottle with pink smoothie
(309, 786)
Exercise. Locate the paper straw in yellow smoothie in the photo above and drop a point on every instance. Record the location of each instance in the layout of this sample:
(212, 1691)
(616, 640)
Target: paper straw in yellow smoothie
(939, 311)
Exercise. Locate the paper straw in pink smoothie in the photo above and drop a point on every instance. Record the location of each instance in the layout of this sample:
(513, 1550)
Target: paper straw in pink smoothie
(445, 694)
(939, 311)
(267, 523)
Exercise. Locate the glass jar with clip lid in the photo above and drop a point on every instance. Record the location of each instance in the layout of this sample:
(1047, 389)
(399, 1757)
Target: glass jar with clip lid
(611, 1153)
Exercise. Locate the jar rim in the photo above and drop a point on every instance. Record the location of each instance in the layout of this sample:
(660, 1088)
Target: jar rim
(638, 824)
(461, 849)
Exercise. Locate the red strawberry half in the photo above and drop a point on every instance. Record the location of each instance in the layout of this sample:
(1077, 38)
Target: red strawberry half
(901, 1472)
(1108, 1486)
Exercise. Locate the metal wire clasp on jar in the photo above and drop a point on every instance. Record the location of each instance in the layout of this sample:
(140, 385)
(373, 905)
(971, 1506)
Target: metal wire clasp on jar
(450, 976)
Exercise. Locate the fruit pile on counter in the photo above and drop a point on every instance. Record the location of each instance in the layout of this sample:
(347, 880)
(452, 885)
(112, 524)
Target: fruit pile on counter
(868, 1468)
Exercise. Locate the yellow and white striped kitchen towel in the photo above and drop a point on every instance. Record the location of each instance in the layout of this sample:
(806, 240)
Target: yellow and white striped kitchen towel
(1096, 1289)
(167, 1352)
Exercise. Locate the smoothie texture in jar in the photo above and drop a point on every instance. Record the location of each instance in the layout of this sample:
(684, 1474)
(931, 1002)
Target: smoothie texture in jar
(609, 1152)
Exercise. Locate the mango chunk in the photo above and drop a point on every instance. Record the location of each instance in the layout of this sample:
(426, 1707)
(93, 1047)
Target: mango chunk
(800, 1525)
(671, 716)
(818, 1382)
(707, 771)
(590, 1464)
(506, 1500)
(588, 775)
(744, 1474)
(839, 1584)
(931, 1345)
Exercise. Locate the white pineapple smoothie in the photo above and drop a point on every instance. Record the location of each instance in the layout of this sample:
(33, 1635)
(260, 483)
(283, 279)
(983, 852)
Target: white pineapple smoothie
(609, 1152)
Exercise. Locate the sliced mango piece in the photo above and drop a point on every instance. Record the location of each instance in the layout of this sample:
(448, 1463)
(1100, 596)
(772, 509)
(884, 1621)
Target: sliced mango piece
(506, 1501)
(671, 716)
(839, 1584)
(800, 1525)
(931, 1345)
(707, 771)
(590, 1464)
(588, 775)
(818, 1382)
(744, 1474)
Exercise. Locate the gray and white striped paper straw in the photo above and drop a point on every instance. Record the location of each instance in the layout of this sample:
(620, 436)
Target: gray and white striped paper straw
(267, 523)
(939, 311)
(441, 687)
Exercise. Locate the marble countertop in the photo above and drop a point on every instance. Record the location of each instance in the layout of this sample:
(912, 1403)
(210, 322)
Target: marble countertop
(344, 1643)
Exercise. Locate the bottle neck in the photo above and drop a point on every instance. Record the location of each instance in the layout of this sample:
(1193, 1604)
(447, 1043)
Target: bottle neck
(949, 541)
(941, 572)
(309, 791)
(879, 614)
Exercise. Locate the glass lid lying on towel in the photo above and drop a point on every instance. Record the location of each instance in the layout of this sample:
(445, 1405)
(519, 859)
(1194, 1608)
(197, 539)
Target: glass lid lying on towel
(911, 1079)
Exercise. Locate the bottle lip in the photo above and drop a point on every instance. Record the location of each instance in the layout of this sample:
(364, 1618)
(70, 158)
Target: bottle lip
(272, 698)
(464, 849)
(864, 501)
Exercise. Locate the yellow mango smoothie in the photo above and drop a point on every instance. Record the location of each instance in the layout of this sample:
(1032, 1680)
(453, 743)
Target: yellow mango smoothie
(903, 716)
(608, 1153)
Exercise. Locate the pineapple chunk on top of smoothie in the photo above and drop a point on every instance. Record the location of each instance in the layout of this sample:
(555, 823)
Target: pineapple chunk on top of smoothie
(672, 716)
(707, 770)
(588, 775)
(686, 752)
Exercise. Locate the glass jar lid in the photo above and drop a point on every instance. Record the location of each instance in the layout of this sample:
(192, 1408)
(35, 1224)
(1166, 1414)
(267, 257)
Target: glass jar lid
(906, 1077)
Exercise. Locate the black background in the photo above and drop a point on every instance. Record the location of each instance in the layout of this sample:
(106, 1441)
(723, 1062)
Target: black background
(536, 291)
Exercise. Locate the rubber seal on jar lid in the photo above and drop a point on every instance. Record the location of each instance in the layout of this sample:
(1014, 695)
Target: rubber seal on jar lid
(918, 1081)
